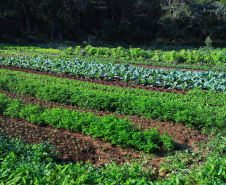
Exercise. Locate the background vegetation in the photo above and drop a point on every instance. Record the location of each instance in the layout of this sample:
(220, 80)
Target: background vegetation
(184, 22)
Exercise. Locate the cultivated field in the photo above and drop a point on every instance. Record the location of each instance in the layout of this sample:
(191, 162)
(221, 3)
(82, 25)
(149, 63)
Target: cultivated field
(112, 116)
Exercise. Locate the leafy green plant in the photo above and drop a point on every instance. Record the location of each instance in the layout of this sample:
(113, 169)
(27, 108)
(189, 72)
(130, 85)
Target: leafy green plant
(153, 77)
(69, 51)
(208, 42)
(165, 106)
(36, 164)
(118, 131)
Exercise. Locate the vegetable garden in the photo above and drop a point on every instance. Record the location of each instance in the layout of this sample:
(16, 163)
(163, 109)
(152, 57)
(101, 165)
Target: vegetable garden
(91, 116)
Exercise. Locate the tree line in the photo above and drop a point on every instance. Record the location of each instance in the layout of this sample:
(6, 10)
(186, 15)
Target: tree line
(130, 21)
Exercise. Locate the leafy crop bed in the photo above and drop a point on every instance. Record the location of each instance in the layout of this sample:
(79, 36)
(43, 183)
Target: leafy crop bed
(204, 56)
(109, 132)
(198, 59)
(185, 109)
(119, 132)
(216, 57)
(69, 146)
(184, 160)
(179, 79)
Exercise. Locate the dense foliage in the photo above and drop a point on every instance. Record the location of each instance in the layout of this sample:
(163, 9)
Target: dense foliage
(36, 164)
(176, 58)
(141, 21)
(200, 111)
(179, 79)
(215, 57)
(21, 163)
(118, 131)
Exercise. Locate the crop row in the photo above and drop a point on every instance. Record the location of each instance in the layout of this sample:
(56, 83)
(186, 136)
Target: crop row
(191, 57)
(179, 79)
(5, 47)
(119, 131)
(21, 163)
(198, 97)
(197, 113)
(184, 56)
(159, 63)
(213, 56)
(162, 64)
(36, 164)
(31, 51)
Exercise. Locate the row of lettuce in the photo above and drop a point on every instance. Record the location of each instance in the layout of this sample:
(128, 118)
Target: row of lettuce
(210, 57)
(21, 163)
(179, 79)
(215, 57)
(200, 109)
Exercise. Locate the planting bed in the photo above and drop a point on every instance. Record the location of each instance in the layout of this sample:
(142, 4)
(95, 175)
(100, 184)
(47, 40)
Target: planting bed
(167, 68)
(125, 132)
(72, 146)
(184, 136)
(114, 82)
(171, 79)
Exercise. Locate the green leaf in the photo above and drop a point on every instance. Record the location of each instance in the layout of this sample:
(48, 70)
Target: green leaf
(15, 179)
(219, 170)
(63, 181)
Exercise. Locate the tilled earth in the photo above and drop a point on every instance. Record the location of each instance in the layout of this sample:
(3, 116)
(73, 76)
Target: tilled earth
(74, 146)
(184, 136)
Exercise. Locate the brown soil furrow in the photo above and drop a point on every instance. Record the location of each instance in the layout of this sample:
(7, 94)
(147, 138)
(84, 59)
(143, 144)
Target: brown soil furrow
(73, 146)
(183, 135)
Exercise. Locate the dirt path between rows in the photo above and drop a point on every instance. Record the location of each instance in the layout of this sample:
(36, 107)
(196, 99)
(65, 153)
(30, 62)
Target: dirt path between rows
(74, 146)
(116, 83)
(183, 135)
(96, 150)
